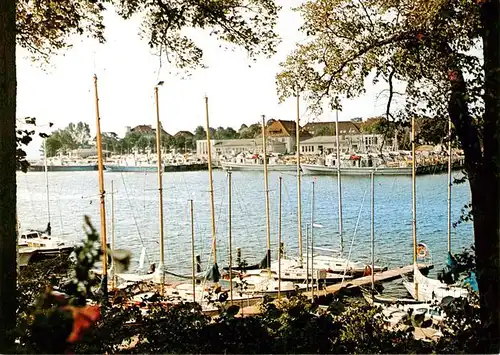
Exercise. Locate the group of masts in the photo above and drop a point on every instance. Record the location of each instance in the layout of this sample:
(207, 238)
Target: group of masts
(161, 267)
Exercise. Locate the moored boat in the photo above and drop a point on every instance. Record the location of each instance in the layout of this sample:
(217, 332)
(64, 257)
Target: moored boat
(255, 162)
(43, 245)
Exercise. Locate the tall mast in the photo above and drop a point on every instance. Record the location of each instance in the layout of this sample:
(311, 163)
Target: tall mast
(46, 180)
(230, 236)
(449, 185)
(373, 228)
(414, 200)
(113, 245)
(279, 238)
(266, 187)
(102, 192)
(312, 241)
(299, 197)
(161, 267)
(339, 181)
(191, 210)
(211, 184)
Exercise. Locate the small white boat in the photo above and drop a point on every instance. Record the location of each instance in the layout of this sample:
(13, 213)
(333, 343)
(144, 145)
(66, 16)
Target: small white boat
(423, 288)
(396, 310)
(45, 245)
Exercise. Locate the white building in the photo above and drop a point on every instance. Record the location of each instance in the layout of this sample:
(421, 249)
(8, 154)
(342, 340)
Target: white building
(235, 146)
(357, 143)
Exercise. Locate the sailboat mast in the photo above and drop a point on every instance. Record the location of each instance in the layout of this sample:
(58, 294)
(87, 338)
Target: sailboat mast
(339, 182)
(266, 187)
(102, 192)
(373, 228)
(230, 236)
(279, 237)
(299, 197)
(312, 241)
(449, 185)
(113, 278)
(46, 179)
(161, 267)
(191, 210)
(414, 200)
(211, 183)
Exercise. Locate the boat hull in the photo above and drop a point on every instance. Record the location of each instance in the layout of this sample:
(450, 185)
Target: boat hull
(257, 167)
(153, 169)
(331, 170)
(131, 169)
(60, 168)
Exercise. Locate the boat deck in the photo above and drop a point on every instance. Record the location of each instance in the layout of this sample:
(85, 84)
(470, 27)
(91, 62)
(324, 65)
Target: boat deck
(387, 275)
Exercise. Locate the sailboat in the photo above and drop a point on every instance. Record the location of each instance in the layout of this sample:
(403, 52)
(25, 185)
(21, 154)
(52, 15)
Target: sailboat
(397, 309)
(45, 244)
(264, 281)
(335, 264)
(424, 288)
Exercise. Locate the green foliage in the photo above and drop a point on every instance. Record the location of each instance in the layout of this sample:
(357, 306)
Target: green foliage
(226, 133)
(251, 131)
(324, 131)
(23, 138)
(200, 133)
(45, 27)
(74, 136)
(48, 320)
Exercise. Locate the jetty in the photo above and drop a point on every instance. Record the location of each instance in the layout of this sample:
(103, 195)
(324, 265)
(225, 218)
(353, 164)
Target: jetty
(387, 275)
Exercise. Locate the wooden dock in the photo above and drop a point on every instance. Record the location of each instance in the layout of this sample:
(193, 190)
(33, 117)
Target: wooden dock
(387, 275)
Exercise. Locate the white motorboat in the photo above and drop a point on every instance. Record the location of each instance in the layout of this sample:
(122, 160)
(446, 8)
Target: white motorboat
(45, 245)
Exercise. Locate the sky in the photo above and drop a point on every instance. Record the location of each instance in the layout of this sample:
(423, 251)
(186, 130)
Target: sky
(127, 71)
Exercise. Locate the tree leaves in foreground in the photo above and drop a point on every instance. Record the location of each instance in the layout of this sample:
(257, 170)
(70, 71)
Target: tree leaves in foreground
(47, 27)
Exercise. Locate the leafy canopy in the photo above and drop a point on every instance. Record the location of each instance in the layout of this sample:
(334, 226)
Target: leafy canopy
(413, 44)
(45, 27)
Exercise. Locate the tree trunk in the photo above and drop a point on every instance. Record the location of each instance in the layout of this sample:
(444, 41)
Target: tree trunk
(485, 185)
(8, 233)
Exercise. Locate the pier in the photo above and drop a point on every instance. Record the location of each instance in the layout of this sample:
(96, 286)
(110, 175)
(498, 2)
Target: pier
(387, 275)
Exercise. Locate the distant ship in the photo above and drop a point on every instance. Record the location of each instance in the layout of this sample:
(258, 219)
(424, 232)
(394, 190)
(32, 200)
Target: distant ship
(394, 163)
(143, 164)
(361, 164)
(64, 164)
(64, 167)
(131, 168)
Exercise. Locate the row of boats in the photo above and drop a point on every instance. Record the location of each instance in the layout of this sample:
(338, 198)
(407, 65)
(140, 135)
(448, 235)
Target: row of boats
(122, 163)
(386, 163)
(288, 274)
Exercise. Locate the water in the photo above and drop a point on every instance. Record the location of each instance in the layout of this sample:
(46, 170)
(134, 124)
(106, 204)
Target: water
(73, 195)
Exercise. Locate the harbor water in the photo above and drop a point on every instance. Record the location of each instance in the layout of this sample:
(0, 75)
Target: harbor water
(75, 194)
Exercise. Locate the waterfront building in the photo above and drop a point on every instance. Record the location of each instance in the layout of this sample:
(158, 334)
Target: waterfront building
(235, 146)
(348, 143)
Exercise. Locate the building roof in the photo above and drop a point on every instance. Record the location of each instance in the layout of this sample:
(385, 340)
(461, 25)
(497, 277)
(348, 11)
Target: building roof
(184, 133)
(147, 129)
(281, 128)
(142, 129)
(345, 127)
(320, 140)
